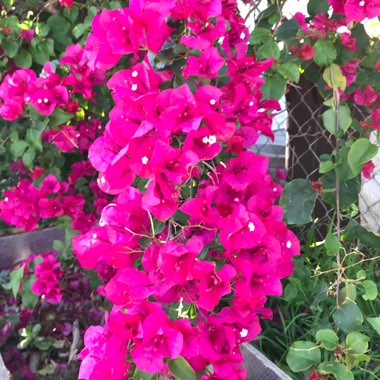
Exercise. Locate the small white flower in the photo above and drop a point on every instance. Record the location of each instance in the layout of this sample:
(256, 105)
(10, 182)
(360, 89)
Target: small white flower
(134, 74)
(242, 35)
(243, 333)
(6, 199)
(288, 244)
(251, 103)
(251, 226)
(101, 179)
(134, 87)
(94, 236)
(212, 102)
(145, 160)
(39, 101)
(46, 100)
(211, 139)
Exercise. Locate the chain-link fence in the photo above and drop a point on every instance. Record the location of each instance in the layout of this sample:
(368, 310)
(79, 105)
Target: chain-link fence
(300, 140)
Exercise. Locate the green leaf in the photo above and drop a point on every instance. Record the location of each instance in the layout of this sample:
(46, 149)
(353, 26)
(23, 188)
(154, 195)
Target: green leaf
(326, 166)
(340, 371)
(23, 58)
(10, 47)
(42, 51)
(342, 169)
(328, 338)
(59, 117)
(329, 119)
(16, 277)
(36, 329)
(357, 343)
(348, 191)
(287, 30)
(349, 292)
(145, 242)
(303, 355)
(29, 299)
(289, 70)
(58, 245)
(28, 157)
(8, 4)
(158, 226)
(324, 53)
(361, 151)
(33, 137)
(259, 36)
(24, 344)
(334, 78)
(317, 6)
(269, 49)
(181, 369)
(332, 244)
(17, 148)
(297, 201)
(78, 31)
(140, 375)
(370, 290)
(274, 87)
(355, 231)
(348, 317)
(375, 323)
(43, 343)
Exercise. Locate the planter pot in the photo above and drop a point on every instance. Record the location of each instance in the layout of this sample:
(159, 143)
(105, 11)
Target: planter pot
(15, 248)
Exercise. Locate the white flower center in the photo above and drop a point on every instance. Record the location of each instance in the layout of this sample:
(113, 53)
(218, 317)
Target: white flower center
(46, 100)
(145, 160)
(243, 333)
(39, 101)
(251, 226)
(362, 3)
(212, 102)
(209, 140)
(134, 87)
(101, 179)
(251, 103)
(134, 74)
(288, 244)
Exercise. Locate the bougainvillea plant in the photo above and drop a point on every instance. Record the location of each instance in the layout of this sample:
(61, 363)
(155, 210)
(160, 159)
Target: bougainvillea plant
(182, 226)
(193, 232)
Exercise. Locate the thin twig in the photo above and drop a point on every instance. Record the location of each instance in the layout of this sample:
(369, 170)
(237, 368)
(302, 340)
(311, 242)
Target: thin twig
(337, 196)
(76, 340)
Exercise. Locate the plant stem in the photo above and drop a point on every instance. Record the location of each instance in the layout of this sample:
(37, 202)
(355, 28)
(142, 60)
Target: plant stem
(337, 198)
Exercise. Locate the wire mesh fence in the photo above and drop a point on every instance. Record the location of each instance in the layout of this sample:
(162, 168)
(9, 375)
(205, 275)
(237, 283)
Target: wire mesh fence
(299, 141)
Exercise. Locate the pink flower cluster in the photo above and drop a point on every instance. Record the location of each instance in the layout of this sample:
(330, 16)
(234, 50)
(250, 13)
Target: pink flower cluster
(50, 91)
(320, 27)
(193, 237)
(48, 272)
(25, 204)
(357, 10)
(68, 138)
